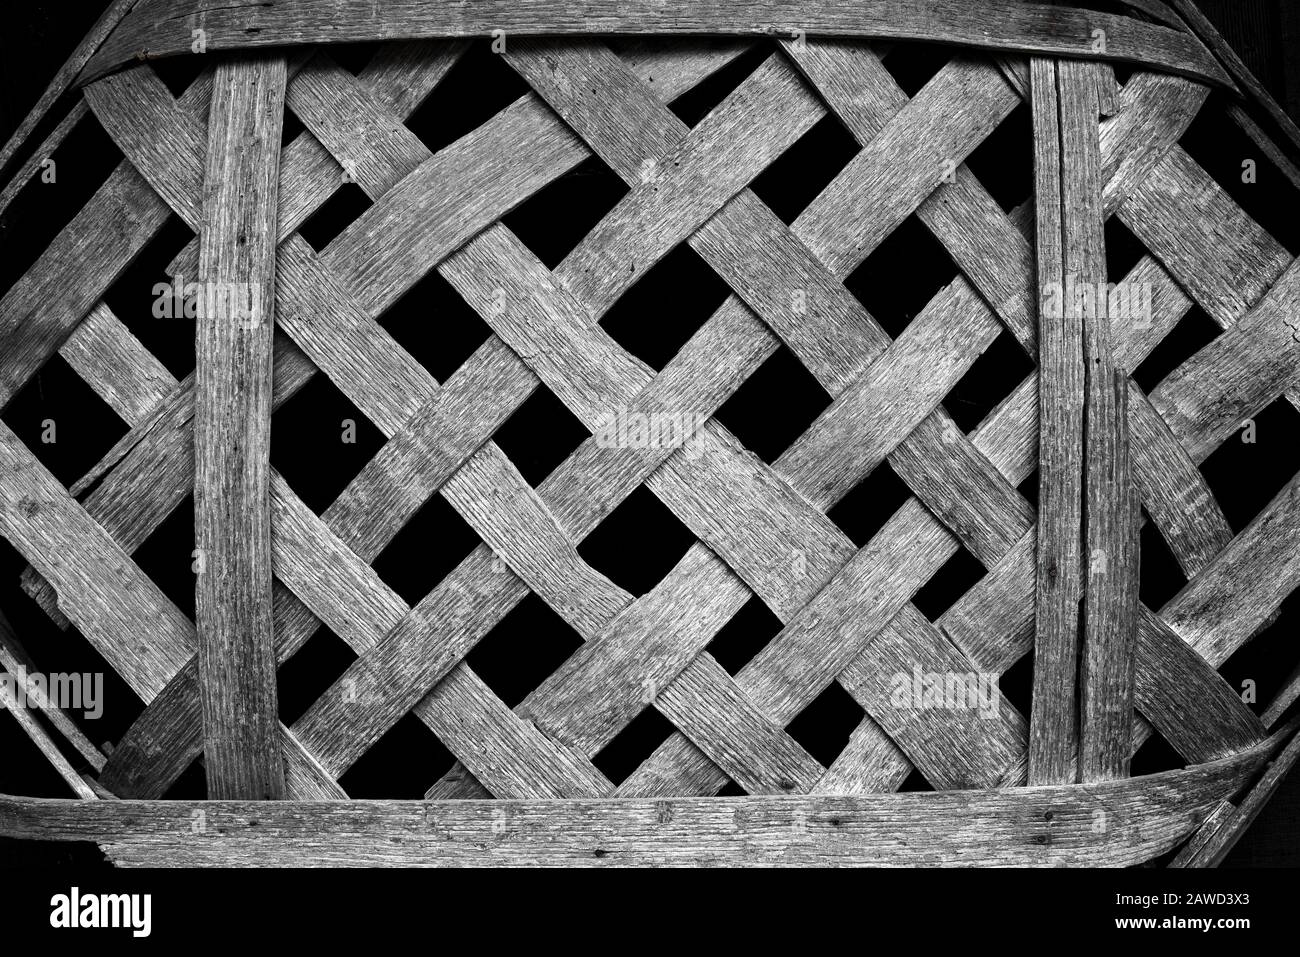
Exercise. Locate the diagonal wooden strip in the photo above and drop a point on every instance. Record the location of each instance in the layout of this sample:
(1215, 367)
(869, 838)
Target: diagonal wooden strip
(1191, 704)
(458, 192)
(951, 753)
(1227, 269)
(374, 154)
(1233, 596)
(1208, 397)
(603, 685)
(901, 167)
(707, 706)
(685, 186)
(113, 362)
(119, 610)
(883, 407)
(232, 432)
(40, 310)
(132, 106)
(33, 167)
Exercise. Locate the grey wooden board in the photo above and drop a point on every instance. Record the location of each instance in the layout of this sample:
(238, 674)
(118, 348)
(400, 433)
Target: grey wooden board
(163, 27)
(232, 431)
(1047, 825)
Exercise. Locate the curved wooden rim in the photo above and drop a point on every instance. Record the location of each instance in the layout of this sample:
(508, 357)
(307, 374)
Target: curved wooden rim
(1116, 823)
(160, 28)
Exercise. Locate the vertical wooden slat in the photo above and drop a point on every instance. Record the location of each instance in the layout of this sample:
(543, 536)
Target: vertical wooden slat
(1109, 507)
(1082, 714)
(1111, 591)
(1053, 724)
(232, 431)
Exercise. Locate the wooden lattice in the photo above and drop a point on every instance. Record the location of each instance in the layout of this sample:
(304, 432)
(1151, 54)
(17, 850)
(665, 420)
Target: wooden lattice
(1048, 787)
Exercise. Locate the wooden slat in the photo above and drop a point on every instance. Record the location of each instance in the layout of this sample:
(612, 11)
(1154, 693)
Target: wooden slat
(232, 426)
(1050, 825)
(993, 24)
(1053, 721)
(1110, 514)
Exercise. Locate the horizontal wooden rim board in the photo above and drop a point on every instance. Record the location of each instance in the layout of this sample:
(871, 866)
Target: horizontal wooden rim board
(158, 28)
(1115, 824)
(1046, 785)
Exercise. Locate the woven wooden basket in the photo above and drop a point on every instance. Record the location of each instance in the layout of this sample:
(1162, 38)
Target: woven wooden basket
(1111, 95)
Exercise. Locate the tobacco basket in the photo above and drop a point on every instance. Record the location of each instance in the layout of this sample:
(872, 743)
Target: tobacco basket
(1062, 493)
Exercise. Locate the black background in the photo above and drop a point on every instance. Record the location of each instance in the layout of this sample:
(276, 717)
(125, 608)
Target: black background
(641, 541)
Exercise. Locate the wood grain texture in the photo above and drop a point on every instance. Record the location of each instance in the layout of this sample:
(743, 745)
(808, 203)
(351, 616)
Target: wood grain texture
(1040, 826)
(847, 614)
(1060, 112)
(162, 27)
(232, 432)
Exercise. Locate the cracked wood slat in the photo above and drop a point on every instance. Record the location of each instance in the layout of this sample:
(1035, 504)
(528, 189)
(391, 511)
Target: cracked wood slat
(1053, 719)
(1050, 825)
(1110, 513)
(161, 26)
(232, 432)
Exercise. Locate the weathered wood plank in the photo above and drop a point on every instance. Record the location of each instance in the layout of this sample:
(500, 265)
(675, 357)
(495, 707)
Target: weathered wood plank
(1049, 825)
(1053, 721)
(1110, 513)
(232, 432)
(159, 26)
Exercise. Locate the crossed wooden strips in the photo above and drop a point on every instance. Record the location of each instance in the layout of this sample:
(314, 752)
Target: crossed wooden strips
(846, 612)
